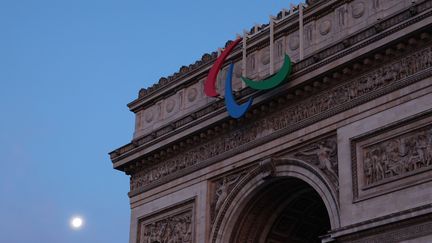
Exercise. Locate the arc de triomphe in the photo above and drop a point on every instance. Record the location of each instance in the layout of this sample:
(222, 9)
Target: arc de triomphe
(340, 152)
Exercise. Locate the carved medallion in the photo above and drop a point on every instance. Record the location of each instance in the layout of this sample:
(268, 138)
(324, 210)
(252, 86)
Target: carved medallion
(170, 103)
(358, 10)
(325, 27)
(192, 94)
(294, 42)
(149, 114)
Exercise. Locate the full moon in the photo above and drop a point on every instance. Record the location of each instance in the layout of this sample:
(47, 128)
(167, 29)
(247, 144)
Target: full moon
(76, 222)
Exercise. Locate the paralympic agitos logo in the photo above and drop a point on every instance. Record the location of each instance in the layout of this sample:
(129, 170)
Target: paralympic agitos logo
(238, 110)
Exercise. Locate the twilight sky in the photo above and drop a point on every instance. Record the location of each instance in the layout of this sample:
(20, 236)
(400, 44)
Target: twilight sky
(67, 71)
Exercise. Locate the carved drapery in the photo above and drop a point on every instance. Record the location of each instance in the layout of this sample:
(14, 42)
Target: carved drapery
(294, 115)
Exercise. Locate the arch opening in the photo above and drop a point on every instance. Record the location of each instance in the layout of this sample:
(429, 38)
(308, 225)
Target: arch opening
(282, 209)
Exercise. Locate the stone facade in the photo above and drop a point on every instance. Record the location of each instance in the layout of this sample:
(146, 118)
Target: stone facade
(346, 142)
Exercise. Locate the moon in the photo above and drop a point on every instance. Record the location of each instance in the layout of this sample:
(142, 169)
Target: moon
(76, 222)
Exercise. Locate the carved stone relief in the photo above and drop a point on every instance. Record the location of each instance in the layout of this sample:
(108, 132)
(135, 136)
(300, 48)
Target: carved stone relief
(386, 159)
(325, 27)
(322, 154)
(192, 94)
(221, 189)
(149, 115)
(174, 226)
(294, 42)
(397, 156)
(289, 116)
(358, 9)
(169, 105)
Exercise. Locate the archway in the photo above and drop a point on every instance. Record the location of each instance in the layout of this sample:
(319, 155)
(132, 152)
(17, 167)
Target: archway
(281, 200)
(283, 210)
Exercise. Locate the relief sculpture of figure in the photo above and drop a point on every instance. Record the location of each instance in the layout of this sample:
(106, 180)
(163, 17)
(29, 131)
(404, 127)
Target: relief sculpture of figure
(421, 147)
(392, 162)
(368, 169)
(378, 167)
(222, 191)
(402, 154)
(413, 157)
(428, 156)
(324, 153)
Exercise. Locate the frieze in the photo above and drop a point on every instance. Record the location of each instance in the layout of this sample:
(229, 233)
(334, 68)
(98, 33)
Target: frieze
(175, 225)
(300, 68)
(384, 76)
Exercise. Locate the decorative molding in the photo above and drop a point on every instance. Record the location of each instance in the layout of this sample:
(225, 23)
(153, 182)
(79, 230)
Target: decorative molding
(339, 48)
(395, 232)
(175, 224)
(405, 214)
(376, 83)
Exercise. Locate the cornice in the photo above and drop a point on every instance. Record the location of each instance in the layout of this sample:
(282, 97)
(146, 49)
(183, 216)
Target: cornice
(217, 107)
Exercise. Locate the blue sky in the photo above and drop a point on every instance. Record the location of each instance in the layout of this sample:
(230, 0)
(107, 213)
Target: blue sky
(67, 71)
